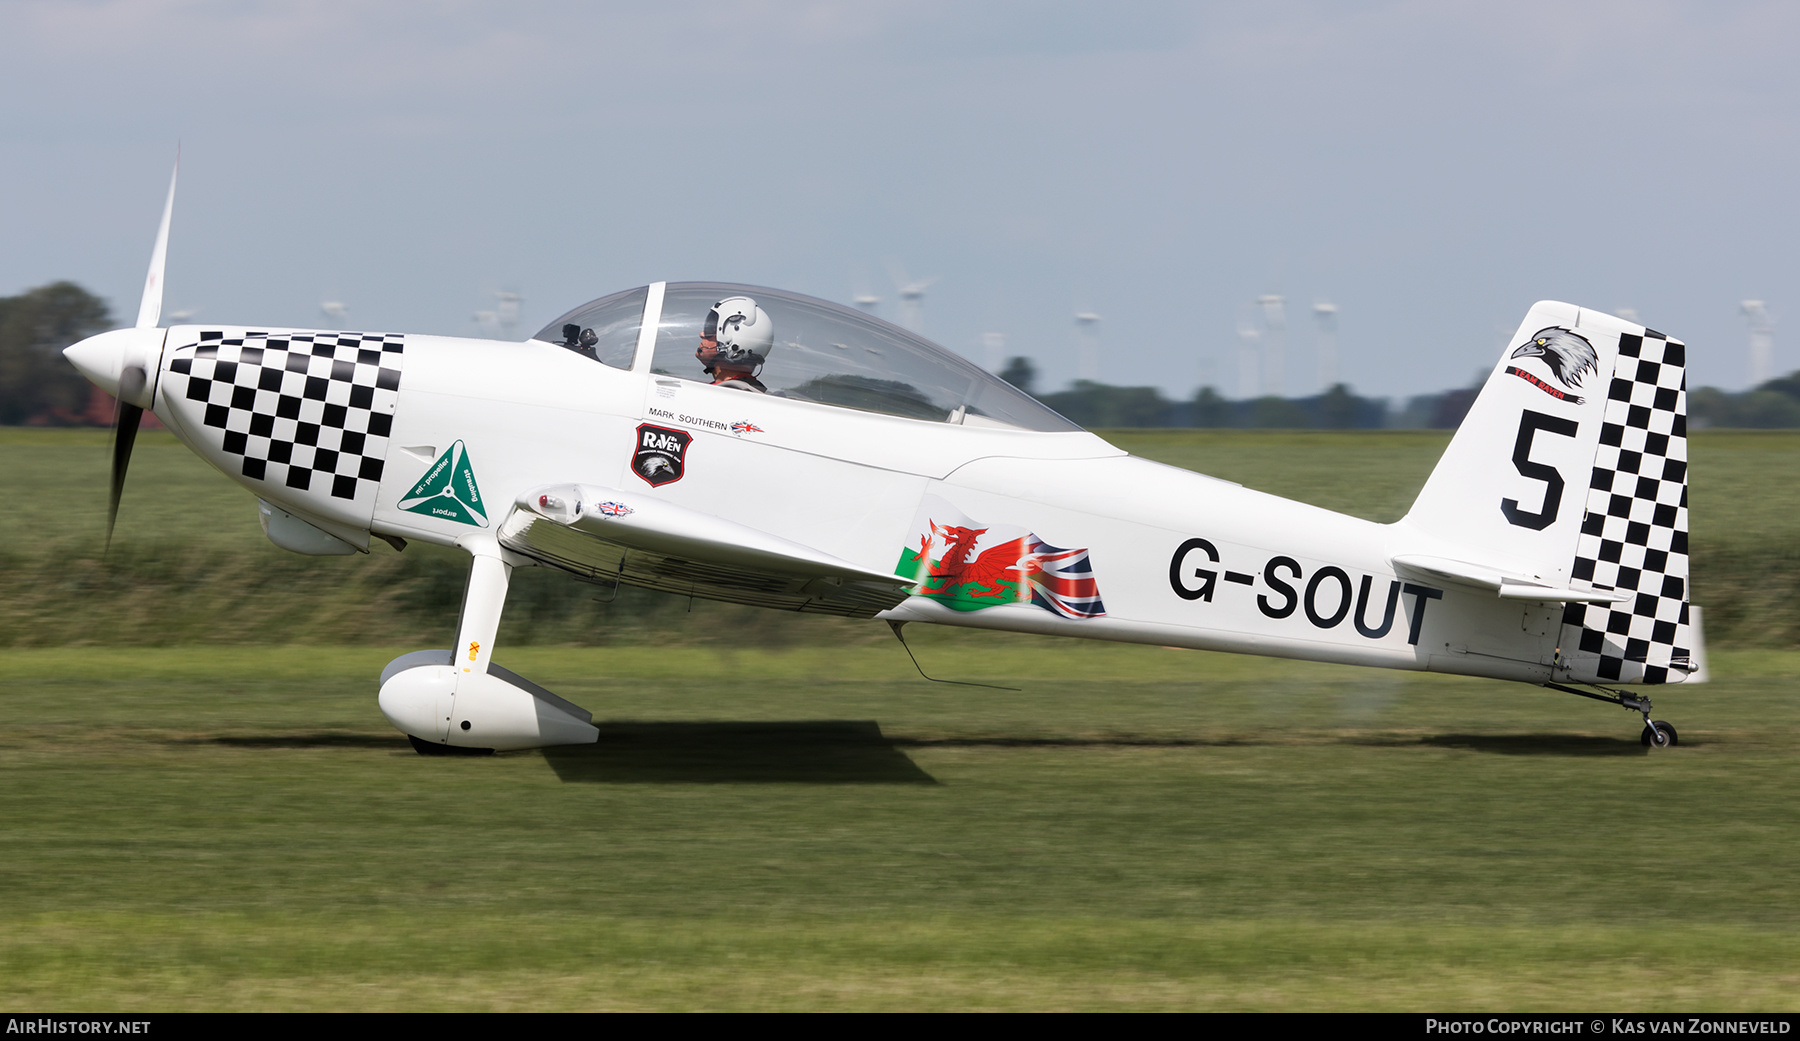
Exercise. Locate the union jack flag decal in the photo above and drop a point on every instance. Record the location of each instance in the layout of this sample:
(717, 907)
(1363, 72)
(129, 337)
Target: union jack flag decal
(744, 426)
(969, 566)
(613, 509)
(1062, 580)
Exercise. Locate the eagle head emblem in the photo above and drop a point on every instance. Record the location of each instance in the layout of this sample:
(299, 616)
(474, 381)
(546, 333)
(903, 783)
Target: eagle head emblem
(1568, 354)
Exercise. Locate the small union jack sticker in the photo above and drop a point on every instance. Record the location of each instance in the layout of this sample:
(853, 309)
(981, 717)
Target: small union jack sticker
(744, 426)
(613, 509)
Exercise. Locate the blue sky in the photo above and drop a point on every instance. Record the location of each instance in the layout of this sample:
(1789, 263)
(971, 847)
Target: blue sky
(1430, 168)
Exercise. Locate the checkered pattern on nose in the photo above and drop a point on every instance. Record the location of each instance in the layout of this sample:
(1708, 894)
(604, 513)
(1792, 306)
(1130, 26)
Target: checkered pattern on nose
(311, 412)
(1634, 535)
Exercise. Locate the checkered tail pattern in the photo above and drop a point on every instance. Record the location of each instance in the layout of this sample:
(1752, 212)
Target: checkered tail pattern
(307, 412)
(1634, 533)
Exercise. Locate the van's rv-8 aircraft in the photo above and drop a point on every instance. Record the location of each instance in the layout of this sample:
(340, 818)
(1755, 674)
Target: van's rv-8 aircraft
(760, 447)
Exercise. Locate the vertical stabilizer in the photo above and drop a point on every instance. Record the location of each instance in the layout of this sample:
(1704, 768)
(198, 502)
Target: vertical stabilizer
(1571, 470)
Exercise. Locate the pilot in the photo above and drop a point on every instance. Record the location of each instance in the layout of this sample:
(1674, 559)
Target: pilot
(735, 343)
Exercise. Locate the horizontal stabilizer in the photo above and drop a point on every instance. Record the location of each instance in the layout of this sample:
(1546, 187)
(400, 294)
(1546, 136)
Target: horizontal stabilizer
(1505, 585)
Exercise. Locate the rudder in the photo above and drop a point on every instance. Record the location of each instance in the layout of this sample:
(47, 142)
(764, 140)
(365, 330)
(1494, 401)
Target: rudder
(1570, 472)
(1634, 532)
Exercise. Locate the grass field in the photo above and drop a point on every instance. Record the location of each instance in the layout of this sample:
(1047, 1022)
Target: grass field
(190, 565)
(230, 824)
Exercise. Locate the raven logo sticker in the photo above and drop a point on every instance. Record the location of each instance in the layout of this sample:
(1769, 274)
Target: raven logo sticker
(1569, 356)
(661, 456)
(448, 490)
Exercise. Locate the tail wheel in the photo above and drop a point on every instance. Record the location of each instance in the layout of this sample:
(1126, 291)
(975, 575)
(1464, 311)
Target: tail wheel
(1658, 734)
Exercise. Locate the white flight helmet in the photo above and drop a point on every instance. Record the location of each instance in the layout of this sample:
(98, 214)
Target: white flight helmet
(743, 330)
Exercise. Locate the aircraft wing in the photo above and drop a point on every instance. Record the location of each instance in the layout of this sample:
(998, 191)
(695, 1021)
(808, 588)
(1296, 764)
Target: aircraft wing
(606, 535)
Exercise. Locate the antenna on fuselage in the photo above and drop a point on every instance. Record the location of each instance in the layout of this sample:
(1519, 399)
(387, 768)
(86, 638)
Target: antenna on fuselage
(898, 635)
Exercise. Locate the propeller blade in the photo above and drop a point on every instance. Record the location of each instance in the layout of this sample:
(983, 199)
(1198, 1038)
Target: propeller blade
(150, 309)
(133, 356)
(125, 429)
(132, 381)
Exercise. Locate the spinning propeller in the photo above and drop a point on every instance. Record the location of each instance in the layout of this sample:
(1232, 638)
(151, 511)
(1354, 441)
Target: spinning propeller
(124, 361)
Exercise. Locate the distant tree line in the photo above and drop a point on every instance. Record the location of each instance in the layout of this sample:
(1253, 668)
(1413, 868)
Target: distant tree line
(1771, 405)
(1101, 405)
(1775, 404)
(38, 386)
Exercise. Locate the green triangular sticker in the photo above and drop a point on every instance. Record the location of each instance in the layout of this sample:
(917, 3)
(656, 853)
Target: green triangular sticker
(448, 490)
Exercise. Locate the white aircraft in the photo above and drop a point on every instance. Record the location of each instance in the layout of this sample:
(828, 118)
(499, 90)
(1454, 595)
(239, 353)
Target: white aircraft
(760, 447)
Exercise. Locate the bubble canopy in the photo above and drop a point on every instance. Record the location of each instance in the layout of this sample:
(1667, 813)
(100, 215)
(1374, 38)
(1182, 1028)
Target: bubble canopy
(811, 350)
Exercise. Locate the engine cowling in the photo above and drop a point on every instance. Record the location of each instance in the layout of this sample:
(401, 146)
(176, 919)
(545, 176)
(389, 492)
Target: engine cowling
(299, 417)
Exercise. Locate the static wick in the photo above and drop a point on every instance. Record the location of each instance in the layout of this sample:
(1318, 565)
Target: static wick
(898, 635)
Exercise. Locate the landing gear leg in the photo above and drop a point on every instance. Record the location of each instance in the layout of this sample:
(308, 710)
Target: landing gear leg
(483, 601)
(1657, 733)
(458, 702)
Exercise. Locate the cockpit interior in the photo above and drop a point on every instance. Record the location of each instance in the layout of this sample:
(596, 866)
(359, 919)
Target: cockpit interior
(800, 348)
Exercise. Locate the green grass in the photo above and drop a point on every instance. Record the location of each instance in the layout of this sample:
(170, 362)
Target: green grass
(190, 564)
(202, 807)
(1136, 827)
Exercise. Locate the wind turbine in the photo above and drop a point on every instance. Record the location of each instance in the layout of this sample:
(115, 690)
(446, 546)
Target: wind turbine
(503, 321)
(1087, 335)
(861, 295)
(996, 350)
(1762, 341)
(1248, 349)
(1274, 344)
(509, 306)
(912, 297)
(1326, 314)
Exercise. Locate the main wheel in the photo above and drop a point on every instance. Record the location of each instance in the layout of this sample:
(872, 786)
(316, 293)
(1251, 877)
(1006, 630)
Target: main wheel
(1658, 734)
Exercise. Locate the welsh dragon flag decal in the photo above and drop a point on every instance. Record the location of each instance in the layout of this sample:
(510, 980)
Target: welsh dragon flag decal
(966, 566)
